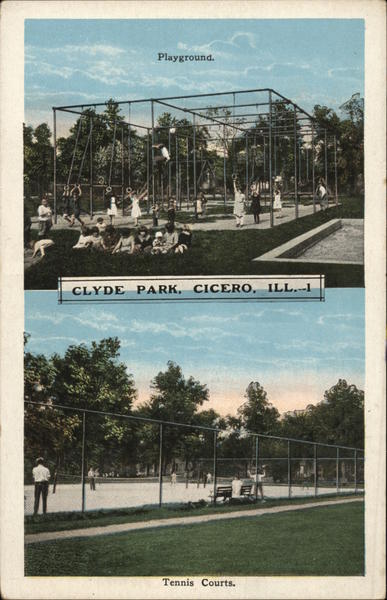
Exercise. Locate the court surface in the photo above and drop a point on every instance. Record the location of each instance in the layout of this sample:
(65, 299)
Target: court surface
(68, 497)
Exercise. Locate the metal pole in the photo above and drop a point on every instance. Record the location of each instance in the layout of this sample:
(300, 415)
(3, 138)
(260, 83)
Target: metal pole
(270, 165)
(91, 192)
(299, 162)
(247, 168)
(326, 158)
(147, 167)
(295, 165)
(194, 155)
(187, 167)
(337, 469)
(177, 169)
(289, 473)
(335, 157)
(169, 167)
(153, 152)
(83, 461)
(256, 465)
(215, 464)
(129, 154)
(122, 169)
(315, 469)
(355, 474)
(55, 206)
(161, 465)
(313, 174)
(224, 166)
(264, 166)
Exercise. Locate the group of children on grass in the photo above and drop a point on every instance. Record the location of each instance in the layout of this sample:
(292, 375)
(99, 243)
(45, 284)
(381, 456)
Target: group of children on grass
(106, 238)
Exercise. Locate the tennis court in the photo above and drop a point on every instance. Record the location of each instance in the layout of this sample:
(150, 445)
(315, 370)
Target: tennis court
(137, 492)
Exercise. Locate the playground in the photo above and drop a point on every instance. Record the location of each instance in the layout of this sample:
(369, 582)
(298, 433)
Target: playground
(231, 168)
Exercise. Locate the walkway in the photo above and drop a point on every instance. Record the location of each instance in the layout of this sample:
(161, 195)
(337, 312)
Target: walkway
(225, 223)
(125, 527)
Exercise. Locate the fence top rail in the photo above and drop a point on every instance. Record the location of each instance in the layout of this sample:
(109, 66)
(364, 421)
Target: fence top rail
(187, 425)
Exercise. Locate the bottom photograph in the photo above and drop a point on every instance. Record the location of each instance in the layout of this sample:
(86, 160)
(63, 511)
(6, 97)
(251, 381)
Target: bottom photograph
(184, 440)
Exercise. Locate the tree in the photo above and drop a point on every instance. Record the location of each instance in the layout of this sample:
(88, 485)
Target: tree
(174, 398)
(257, 413)
(90, 378)
(339, 419)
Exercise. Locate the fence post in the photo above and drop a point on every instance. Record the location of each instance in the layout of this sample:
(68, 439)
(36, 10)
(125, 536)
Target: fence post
(83, 461)
(289, 473)
(315, 469)
(161, 465)
(337, 469)
(55, 183)
(256, 465)
(355, 474)
(214, 467)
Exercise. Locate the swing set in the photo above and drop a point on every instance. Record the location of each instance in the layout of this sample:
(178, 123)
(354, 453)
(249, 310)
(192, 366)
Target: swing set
(256, 136)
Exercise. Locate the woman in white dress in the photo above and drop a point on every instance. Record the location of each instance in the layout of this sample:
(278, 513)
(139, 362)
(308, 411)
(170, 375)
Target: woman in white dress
(111, 204)
(136, 210)
(277, 205)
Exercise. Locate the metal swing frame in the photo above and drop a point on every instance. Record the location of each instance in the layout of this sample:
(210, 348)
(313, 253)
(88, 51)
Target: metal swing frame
(295, 124)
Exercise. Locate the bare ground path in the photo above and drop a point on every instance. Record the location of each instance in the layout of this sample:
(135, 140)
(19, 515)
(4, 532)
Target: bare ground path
(225, 223)
(124, 527)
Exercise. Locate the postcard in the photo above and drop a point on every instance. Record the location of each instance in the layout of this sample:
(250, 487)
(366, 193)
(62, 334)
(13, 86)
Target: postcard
(193, 328)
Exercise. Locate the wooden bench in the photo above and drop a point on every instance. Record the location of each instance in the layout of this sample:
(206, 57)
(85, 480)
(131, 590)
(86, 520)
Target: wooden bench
(222, 491)
(246, 490)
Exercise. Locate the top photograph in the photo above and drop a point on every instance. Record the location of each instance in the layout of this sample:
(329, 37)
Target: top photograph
(205, 147)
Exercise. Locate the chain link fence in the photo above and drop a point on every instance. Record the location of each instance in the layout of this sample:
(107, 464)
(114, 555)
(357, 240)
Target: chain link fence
(99, 460)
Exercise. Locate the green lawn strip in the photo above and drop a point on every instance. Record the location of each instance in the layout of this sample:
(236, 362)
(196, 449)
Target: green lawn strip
(213, 252)
(76, 520)
(326, 541)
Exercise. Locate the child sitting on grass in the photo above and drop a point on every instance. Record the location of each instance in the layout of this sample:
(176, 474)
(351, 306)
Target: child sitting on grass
(125, 243)
(158, 246)
(41, 246)
(101, 225)
(110, 239)
(184, 240)
(85, 239)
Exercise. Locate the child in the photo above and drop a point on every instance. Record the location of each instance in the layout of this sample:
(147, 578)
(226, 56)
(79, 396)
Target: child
(40, 246)
(101, 225)
(239, 205)
(155, 214)
(85, 239)
(164, 154)
(184, 240)
(111, 204)
(158, 246)
(76, 194)
(110, 239)
(66, 199)
(142, 241)
(136, 210)
(255, 202)
(277, 206)
(44, 218)
(198, 207)
(171, 212)
(95, 238)
(170, 237)
(125, 243)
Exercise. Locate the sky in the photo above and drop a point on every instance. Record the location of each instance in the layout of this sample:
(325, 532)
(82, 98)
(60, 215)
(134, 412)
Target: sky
(295, 350)
(77, 61)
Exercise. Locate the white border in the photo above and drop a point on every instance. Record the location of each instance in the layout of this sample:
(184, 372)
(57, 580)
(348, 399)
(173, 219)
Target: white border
(14, 585)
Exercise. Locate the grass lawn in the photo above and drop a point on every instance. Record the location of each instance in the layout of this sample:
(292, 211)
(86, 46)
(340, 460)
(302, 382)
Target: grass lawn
(94, 518)
(212, 253)
(316, 541)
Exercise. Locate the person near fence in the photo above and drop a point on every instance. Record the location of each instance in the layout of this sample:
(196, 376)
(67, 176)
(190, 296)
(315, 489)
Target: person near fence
(255, 202)
(236, 485)
(259, 482)
(91, 476)
(239, 205)
(173, 478)
(44, 218)
(41, 476)
(322, 194)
